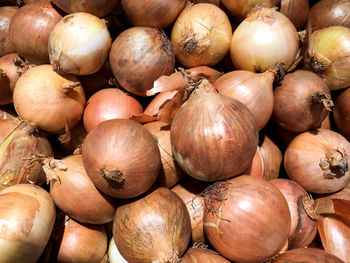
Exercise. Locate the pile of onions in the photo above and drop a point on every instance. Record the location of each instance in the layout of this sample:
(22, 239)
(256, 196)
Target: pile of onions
(27, 218)
(75, 194)
(125, 161)
(49, 100)
(6, 14)
(328, 55)
(79, 44)
(155, 228)
(248, 219)
(310, 255)
(139, 56)
(30, 29)
(301, 101)
(107, 104)
(213, 136)
(341, 113)
(201, 35)
(203, 255)
(296, 10)
(266, 37)
(319, 161)
(153, 13)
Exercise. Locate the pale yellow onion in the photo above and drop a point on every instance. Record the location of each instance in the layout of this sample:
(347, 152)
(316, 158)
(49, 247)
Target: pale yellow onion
(113, 253)
(201, 35)
(266, 37)
(27, 215)
(79, 44)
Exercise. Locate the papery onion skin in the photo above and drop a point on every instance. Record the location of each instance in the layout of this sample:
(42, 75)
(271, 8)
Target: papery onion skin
(202, 255)
(27, 218)
(154, 228)
(201, 35)
(252, 221)
(266, 37)
(139, 56)
(318, 161)
(30, 29)
(6, 14)
(115, 163)
(296, 10)
(6, 127)
(341, 113)
(79, 44)
(60, 97)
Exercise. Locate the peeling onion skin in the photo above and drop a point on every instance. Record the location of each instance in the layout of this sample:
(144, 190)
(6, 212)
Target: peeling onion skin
(6, 14)
(79, 44)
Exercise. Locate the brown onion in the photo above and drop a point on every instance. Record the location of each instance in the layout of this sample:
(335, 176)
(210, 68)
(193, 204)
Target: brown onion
(75, 194)
(153, 13)
(296, 11)
(246, 219)
(27, 218)
(49, 100)
(319, 161)
(6, 14)
(341, 113)
(125, 161)
(201, 35)
(139, 56)
(203, 255)
(213, 136)
(30, 29)
(301, 101)
(155, 228)
(303, 228)
(266, 37)
(107, 104)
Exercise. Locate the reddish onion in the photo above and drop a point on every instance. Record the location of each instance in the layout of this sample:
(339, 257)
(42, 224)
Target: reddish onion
(341, 113)
(139, 56)
(203, 255)
(107, 104)
(30, 29)
(201, 35)
(296, 11)
(246, 219)
(319, 161)
(115, 164)
(6, 14)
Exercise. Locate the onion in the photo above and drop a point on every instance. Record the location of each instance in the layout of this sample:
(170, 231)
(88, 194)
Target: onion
(79, 44)
(113, 253)
(77, 136)
(115, 164)
(155, 228)
(213, 136)
(75, 194)
(27, 218)
(303, 228)
(49, 100)
(310, 255)
(30, 29)
(296, 11)
(98, 8)
(201, 35)
(246, 219)
(341, 113)
(327, 13)
(328, 55)
(153, 13)
(301, 102)
(6, 127)
(215, 2)
(203, 255)
(107, 104)
(318, 161)
(266, 37)
(6, 14)
(252, 89)
(139, 56)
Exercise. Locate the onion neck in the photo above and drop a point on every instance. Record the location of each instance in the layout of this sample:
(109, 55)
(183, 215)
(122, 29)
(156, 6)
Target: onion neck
(112, 175)
(310, 207)
(276, 72)
(318, 66)
(335, 164)
(67, 87)
(323, 99)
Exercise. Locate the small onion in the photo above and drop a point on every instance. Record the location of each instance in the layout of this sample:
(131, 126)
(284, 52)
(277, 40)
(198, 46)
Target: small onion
(201, 35)
(79, 44)
(113, 253)
(139, 56)
(155, 228)
(203, 255)
(319, 161)
(296, 11)
(125, 161)
(30, 29)
(341, 113)
(107, 104)
(49, 100)
(266, 37)
(6, 14)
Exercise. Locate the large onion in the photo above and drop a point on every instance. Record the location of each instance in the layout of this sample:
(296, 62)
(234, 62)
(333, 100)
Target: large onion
(6, 14)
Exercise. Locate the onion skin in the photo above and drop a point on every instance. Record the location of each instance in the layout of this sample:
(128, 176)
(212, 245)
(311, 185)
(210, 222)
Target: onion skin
(296, 10)
(113, 253)
(251, 223)
(6, 127)
(115, 164)
(203, 255)
(252, 50)
(27, 218)
(341, 113)
(318, 161)
(30, 29)
(137, 66)
(201, 35)
(6, 14)
(154, 228)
